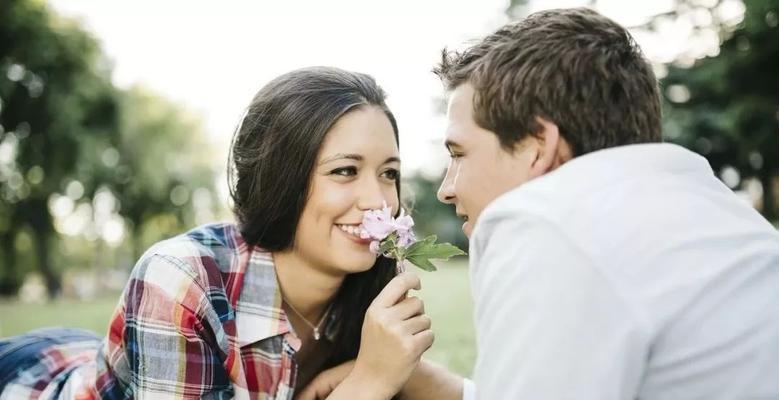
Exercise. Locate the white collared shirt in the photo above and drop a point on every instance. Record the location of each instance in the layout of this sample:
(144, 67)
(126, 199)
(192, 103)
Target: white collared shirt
(626, 273)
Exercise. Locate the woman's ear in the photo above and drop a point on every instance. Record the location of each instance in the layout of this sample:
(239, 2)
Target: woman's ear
(551, 149)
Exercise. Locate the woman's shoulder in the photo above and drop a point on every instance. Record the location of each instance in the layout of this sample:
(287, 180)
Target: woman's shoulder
(205, 240)
(198, 256)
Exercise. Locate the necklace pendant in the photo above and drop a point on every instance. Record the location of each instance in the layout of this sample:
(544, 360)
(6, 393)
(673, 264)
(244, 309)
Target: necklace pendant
(316, 334)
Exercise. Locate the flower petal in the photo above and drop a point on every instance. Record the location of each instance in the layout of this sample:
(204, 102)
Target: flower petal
(374, 247)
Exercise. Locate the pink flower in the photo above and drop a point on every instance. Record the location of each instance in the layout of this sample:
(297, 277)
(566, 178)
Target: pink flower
(393, 238)
(406, 238)
(377, 224)
(404, 222)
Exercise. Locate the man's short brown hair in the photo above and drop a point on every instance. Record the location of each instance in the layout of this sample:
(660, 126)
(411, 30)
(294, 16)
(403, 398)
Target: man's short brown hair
(573, 67)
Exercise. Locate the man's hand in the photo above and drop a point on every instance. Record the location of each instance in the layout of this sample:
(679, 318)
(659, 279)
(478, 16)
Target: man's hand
(326, 382)
(429, 381)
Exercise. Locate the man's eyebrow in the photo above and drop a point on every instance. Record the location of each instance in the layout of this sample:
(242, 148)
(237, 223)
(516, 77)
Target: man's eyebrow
(449, 143)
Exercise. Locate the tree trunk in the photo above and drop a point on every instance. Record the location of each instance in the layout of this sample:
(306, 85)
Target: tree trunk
(50, 277)
(10, 281)
(40, 220)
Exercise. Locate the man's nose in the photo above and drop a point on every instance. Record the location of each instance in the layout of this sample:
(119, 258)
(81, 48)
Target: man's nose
(446, 192)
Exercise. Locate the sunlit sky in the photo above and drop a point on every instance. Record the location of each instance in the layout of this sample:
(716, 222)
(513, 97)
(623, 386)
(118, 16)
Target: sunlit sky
(213, 56)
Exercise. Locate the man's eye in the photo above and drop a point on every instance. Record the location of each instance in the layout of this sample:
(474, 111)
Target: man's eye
(392, 174)
(345, 171)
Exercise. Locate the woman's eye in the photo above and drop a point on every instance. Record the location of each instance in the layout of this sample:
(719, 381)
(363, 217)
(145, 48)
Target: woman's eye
(455, 155)
(392, 174)
(345, 171)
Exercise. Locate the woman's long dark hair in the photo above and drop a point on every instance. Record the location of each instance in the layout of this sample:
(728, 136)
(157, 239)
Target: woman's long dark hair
(272, 157)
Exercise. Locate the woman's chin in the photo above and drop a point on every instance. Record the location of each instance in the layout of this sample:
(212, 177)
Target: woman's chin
(361, 265)
(353, 254)
(353, 262)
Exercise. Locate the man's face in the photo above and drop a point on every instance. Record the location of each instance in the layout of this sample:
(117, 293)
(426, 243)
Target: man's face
(480, 169)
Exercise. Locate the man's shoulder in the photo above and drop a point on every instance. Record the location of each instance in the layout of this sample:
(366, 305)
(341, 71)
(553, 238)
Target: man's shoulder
(555, 200)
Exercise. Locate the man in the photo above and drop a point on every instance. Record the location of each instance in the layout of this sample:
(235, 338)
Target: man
(604, 264)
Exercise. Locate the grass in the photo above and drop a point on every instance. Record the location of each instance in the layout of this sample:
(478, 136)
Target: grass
(445, 292)
(447, 297)
(16, 318)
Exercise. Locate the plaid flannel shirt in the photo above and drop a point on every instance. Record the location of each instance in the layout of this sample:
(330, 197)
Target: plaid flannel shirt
(200, 317)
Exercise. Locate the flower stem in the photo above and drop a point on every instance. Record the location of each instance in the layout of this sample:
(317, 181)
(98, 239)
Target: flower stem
(400, 266)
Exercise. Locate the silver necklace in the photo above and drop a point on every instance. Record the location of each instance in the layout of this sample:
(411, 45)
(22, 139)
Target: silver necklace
(314, 328)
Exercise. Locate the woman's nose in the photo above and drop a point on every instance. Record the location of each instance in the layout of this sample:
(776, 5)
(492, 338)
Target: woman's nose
(371, 196)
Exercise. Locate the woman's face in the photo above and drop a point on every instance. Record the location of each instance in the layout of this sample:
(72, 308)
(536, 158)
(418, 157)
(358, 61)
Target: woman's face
(355, 171)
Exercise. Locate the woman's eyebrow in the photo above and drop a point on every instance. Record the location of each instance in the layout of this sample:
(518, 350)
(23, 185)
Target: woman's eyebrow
(355, 157)
(341, 156)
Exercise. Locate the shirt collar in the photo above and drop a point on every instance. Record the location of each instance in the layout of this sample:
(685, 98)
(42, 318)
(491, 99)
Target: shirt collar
(602, 167)
(258, 311)
(614, 161)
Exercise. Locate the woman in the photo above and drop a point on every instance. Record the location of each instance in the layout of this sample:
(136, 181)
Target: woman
(256, 309)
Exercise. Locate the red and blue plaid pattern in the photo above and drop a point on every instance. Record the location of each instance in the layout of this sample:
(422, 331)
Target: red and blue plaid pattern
(200, 317)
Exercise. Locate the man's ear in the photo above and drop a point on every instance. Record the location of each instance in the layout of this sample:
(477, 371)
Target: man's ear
(549, 148)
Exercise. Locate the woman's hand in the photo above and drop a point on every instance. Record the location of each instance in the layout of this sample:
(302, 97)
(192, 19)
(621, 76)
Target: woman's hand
(395, 333)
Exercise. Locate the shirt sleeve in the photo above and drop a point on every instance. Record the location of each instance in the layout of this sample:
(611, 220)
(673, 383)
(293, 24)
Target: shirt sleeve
(469, 390)
(550, 324)
(165, 348)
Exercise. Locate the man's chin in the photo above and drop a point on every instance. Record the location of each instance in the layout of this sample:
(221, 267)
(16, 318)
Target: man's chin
(467, 228)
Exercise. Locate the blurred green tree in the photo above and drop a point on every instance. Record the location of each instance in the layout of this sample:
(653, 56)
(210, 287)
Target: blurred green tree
(68, 136)
(726, 107)
(55, 97)
(164, 178)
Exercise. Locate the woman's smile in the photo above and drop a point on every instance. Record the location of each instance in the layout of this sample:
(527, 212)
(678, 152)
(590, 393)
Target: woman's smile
(352, 232)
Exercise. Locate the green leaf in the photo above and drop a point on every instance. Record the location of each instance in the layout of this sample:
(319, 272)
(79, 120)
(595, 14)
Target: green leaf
(421, 244)
(422, 263)
(421, 252)
(429, 249)
(386, 245)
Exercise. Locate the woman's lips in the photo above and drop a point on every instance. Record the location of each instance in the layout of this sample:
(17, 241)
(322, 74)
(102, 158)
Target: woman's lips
(353, 237)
